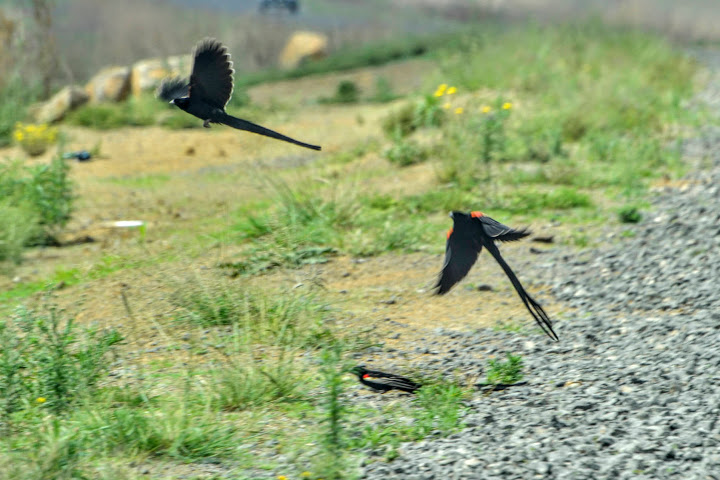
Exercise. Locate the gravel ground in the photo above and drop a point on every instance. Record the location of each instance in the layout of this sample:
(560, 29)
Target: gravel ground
(632, 390)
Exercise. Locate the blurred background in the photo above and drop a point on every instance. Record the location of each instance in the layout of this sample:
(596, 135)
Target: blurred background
(61, 42)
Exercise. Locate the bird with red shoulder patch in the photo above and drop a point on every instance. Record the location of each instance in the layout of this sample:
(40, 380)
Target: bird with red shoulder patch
(384, 382)
(466, 239)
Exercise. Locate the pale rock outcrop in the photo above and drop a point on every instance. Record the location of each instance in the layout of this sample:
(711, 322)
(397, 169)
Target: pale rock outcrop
(147, 74)
(109, 84)
(303, 46)
(64, 101)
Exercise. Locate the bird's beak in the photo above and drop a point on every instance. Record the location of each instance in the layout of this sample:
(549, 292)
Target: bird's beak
(172, 102)
(451, 215)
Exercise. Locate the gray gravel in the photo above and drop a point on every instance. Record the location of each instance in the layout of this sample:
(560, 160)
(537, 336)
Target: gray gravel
(633, 388)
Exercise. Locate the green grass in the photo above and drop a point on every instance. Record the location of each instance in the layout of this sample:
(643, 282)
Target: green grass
(135, 112)
(437, 407)
(36, 202)
(16, 95)
(283, 318)
(145, 181)
(505, 372)
(65, 277)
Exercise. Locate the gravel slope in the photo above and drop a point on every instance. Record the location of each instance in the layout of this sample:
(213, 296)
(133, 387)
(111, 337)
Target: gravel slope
(633, 388)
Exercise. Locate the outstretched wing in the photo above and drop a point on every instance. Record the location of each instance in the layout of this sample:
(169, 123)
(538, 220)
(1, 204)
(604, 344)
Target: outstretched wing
(498, 231)
(172, 88)
(211, 80)
(461, 253)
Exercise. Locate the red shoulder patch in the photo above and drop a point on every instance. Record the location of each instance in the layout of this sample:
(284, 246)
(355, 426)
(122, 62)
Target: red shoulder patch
(449, 233)
(367, 375)
(477, 214)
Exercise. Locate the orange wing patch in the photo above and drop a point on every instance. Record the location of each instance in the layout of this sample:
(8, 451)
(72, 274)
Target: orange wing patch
(477, 214)
(449, 233)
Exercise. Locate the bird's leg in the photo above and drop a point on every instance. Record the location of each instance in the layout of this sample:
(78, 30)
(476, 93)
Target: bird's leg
(206, 123)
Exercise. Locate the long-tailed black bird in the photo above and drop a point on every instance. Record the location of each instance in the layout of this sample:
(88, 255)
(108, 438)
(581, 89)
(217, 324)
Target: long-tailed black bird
(384, 381)
(470, 233)
(209, 89)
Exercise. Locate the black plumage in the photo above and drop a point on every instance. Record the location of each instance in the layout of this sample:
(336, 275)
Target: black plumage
(210, 88)
(470, 233)
(384, 381)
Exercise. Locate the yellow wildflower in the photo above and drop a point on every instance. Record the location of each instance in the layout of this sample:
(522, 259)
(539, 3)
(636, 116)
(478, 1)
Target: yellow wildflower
(30, 128)
(507, 106)
(486, 109)
(281, 477)
(459, 110)
(447, 105)
(19, 135)
(305, 474)
(440, 90)
(451, 90)
(41, 399)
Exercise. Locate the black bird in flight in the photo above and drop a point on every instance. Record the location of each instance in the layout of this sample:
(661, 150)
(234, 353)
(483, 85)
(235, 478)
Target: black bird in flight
(209, 89)
(384, 381)
(470, 233)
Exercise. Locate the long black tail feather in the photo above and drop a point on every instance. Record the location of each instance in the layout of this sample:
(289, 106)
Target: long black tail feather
(241, 124)
(540, 316)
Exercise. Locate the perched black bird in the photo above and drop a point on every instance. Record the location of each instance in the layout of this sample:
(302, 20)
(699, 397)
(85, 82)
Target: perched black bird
(384, 381)
(209, 89)
(470, 233)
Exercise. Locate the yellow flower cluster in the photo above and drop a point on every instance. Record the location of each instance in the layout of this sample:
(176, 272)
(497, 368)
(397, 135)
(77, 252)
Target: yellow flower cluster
(444, 89)
(41, 399)
(34, 139)
(488, 109)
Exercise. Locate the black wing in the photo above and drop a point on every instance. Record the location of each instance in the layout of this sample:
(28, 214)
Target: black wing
(212, 76)
(533, 307)
(501, 232)
(172, 88)
(461, 253)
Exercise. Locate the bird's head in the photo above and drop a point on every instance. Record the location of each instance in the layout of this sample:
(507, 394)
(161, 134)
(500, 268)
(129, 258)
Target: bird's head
(359, 370)
(456, 215)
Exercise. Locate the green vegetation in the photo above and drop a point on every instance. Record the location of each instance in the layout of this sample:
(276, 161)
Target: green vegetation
(59, 401)
(43, 362)
(36, 202)
(629, 214)
(15, 98)
(405, 152)
(505, 373)
(347, 92)
(584, 107)
(135, 112)
(437, 407)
